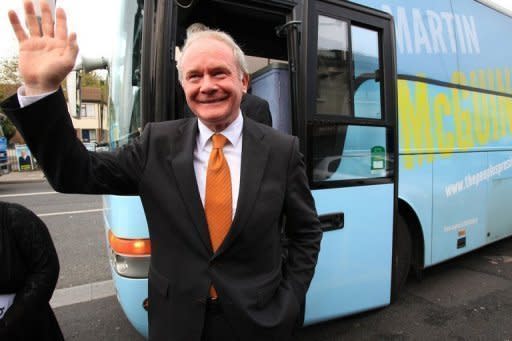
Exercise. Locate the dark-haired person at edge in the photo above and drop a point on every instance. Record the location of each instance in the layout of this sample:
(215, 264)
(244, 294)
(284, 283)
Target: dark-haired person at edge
(29, 269)
(218, 189)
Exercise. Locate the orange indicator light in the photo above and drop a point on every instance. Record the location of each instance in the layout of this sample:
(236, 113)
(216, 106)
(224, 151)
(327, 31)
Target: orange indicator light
(134, 247)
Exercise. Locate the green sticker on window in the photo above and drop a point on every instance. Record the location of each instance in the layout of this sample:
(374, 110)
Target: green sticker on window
(378, 158)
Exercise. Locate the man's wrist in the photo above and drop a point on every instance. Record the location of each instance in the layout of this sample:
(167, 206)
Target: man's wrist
(24, 99)
(35, 91)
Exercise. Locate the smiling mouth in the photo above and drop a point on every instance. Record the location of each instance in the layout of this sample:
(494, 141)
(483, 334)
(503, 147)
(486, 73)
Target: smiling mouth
(211, 101)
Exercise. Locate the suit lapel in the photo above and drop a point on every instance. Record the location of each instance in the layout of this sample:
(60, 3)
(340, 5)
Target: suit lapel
(182, 162)
(253, 164)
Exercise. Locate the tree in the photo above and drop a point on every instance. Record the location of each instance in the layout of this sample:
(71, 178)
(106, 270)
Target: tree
(9, 82)
(9, 77)
(7, 127)
(9, 71)
(91, 79)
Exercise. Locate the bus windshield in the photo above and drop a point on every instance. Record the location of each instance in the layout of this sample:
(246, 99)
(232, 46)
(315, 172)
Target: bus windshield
(124, 89)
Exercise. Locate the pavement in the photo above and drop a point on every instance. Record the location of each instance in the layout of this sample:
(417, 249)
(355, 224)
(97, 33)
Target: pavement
(22, 177)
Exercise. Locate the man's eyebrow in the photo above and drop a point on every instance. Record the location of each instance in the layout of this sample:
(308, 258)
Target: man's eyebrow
(192, 72)
(223, 68)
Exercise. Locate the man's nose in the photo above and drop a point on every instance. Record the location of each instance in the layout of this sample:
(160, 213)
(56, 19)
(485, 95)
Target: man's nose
(208, 84)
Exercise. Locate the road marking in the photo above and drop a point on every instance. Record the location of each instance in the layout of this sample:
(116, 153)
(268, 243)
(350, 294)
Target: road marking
(26, 194)
(82, 293)
(69, 212)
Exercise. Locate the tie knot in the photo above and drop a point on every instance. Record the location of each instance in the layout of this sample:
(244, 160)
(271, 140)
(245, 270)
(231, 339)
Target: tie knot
(218, 141)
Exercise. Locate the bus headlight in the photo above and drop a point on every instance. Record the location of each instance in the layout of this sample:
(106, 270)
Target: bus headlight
(130, 257)
(133, 267)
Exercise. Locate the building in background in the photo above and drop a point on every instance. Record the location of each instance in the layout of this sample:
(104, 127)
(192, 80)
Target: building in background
(90, 120)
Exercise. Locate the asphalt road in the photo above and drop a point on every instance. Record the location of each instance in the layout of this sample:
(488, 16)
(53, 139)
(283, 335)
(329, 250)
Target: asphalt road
(468, 298)
(76, 225)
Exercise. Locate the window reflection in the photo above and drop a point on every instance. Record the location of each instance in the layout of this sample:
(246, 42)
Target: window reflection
(347, 152)
(333, 69)
(365, 52)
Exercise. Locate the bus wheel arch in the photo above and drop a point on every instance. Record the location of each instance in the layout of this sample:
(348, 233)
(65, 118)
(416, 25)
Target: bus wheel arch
(418, 240)
(408, 253)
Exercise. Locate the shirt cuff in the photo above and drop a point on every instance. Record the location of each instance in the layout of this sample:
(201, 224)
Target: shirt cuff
(27, 100)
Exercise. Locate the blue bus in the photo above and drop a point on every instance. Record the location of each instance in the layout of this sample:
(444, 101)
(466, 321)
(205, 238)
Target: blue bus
(403, 109)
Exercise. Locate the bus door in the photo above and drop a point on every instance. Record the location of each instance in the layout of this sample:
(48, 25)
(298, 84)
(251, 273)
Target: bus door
(349, 92)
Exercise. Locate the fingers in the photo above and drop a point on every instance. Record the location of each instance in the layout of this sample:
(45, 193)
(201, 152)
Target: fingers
(72, 48)
(49, 28)
(16, 26)
(61, 28)
(31, 19)
(46, 19)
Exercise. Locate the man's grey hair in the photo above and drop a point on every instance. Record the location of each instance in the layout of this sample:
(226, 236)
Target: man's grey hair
(196, 27)
(199, 31)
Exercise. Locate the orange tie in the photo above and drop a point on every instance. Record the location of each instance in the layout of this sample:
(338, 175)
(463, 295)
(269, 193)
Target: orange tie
(218, 197)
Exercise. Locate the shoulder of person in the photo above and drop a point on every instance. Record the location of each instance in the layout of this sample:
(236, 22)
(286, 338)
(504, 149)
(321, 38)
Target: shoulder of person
(269, 132)
(14, 208)
(166, 129)
(19, 219)
(18, 213)
(174, 124)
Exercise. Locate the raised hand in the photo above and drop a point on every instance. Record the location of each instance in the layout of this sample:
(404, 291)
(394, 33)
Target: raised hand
(45, 58)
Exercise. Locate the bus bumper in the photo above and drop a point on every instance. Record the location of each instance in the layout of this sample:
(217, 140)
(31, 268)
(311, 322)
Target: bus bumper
(131, 294)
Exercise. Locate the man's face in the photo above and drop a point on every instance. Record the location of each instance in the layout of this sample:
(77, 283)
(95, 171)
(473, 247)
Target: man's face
(212, 82)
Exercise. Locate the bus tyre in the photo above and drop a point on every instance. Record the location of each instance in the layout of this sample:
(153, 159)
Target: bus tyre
(401, 257)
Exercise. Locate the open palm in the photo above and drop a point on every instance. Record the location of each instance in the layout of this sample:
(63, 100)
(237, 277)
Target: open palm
(46, 53)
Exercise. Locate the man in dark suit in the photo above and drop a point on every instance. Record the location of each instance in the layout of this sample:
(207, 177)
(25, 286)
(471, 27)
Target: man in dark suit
(218, 190)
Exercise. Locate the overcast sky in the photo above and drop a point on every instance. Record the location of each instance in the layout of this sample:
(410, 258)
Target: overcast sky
(98, 40)
(80, 13)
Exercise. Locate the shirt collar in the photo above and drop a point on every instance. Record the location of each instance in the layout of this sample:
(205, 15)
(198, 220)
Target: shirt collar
(233, 132)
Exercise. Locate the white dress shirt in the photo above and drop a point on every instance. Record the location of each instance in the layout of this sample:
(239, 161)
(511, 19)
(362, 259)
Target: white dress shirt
(232, 150)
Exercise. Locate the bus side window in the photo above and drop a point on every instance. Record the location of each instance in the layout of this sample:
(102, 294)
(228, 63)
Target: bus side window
(344, 146)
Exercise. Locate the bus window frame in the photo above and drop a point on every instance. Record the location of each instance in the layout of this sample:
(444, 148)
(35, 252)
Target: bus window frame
(361, 17)
(368, 18)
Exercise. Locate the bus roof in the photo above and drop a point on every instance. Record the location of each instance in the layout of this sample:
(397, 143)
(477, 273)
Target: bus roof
(496, 7)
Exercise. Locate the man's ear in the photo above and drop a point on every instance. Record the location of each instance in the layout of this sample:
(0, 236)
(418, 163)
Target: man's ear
(245, 82)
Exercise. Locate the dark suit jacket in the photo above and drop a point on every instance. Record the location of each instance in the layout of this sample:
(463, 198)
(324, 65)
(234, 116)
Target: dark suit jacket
(260, 293)
(256, 108)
